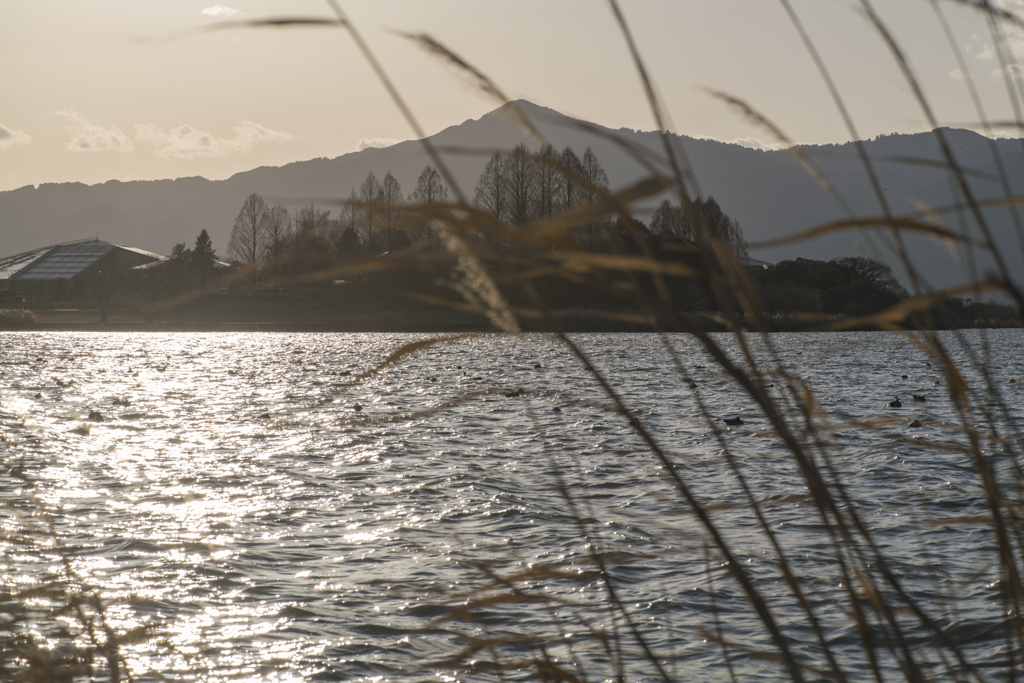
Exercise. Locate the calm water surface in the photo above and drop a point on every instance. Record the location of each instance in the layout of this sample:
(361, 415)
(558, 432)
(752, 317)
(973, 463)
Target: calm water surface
(265, 529)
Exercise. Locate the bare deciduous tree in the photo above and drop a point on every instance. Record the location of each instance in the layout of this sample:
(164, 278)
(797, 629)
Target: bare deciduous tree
(570, 192)
(249, 234)
(278, 236)
(391, 201)
(430, 189)
(594, 181)
(548, 182)
(370, 195)
(669, 221)
(522, 185)
(492, 187)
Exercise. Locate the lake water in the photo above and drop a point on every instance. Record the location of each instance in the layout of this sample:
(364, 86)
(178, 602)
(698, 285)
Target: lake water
(263, 528)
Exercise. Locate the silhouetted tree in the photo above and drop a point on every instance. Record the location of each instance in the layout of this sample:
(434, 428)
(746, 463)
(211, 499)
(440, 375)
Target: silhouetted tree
(548, 181)
(391, 200)
(343, 235)
(203, 258)
(851, 286)
(521, 173)
(593, 172)
(370, 195)
(570, 192)
(249, 234)
(430, 189)
(311, 238)
(720, 226)
(492, 193)
(667, 221)
(179, 267)
(277, 237)
(594, 182)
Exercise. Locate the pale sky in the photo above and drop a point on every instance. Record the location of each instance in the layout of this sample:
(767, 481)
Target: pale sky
(84, 100)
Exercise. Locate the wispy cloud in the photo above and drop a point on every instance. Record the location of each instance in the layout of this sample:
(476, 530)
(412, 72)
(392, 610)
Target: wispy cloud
(221, 11)
(186, 142)
(367, 143)
(92, 137)
(10, 137)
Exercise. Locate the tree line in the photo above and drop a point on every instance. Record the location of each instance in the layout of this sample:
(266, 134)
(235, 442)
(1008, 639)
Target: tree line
(280, 241)
(515, 188)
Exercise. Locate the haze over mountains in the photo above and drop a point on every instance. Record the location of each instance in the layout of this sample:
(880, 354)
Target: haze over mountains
(768, 192)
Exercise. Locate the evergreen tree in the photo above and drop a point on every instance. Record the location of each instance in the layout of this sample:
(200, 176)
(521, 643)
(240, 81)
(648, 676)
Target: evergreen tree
(203, 258)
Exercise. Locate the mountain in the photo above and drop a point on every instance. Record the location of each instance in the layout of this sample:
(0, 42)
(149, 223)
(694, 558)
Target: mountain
(767, 191)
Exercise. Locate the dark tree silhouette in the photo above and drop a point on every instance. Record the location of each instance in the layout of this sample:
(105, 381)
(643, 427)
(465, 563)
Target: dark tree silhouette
(548, 179)
(249, 235)
(593, 182)
(570, 192)
(669, 222)
(391, 200)
(310, 238)
(521, 173)
(371, 194)
(203, 258)
(492, 193)
(593, 173)
(720, 226)
(179, 267)
(278, 236)
(430, 189)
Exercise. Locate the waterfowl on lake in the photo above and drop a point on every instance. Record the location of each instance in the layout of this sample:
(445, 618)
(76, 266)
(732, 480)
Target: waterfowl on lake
(733, 421)
(895, 402)
(919, 399)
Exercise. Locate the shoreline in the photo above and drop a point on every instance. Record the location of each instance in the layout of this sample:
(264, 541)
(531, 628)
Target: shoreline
(394, 318)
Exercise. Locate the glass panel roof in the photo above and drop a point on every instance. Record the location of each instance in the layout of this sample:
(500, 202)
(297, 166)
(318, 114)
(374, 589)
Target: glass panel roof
(12, 264)
(65, 261)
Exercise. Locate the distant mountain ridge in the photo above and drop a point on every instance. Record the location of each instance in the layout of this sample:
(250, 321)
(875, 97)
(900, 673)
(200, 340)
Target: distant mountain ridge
(768, 192)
